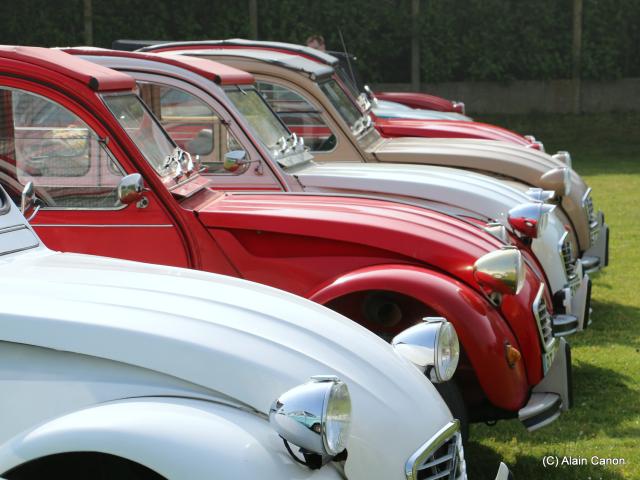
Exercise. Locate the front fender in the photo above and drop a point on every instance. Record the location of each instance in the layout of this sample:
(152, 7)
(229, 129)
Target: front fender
(175, 437)
(481, 329)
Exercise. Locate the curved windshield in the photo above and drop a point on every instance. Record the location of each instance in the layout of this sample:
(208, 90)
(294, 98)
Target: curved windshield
(266, 124)
(156, 146)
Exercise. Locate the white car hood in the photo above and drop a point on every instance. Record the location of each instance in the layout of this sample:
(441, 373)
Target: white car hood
(387, 109)
(454, 191)
(460, 190)
(245, 340)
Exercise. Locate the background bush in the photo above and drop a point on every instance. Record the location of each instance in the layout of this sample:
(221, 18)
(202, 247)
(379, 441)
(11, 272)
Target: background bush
(498, 40)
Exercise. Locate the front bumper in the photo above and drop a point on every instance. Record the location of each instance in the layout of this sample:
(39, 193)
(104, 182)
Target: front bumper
(553, 395)
(504, 473)
(577, 307)
(597, 257)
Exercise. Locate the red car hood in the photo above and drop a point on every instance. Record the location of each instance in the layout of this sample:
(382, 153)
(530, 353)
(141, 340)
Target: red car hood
(397, 127)
(406, 232)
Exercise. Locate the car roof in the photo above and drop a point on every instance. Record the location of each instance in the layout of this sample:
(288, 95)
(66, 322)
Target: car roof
(292, 48)
(315, 70)
(97, 77)
(214, 71)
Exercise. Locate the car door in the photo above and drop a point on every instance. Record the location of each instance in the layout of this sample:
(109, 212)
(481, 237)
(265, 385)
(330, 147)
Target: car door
(76, 169)
(205, 130)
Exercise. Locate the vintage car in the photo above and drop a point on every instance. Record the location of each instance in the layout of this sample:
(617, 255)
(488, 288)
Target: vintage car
(183, 94)
(111, 182)
(436, 106)
(390, 119)
(313, 104)
(118, 369)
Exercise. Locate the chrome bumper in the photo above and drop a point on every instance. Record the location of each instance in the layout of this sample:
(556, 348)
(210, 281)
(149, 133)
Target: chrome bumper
(577, 308)
(597, 257)
(504, 473)
(553, 395)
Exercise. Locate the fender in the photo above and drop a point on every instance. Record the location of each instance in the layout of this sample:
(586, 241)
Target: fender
(481, 329)
(175, 437)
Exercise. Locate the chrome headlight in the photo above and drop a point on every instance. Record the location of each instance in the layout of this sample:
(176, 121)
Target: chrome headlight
(498, 230)
(563, 156)
(501, 271)
(431, 346)
(315, 416)
(540, 195)
(530, 219)
(557, 179)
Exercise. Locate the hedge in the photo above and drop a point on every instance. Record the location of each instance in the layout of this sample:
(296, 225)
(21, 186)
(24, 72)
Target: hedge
(498, 40)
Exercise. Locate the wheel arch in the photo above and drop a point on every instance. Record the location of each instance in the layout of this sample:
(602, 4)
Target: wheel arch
(480, 327)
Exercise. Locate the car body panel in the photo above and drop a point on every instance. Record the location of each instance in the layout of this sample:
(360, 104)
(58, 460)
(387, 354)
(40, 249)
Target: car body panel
(157, 364)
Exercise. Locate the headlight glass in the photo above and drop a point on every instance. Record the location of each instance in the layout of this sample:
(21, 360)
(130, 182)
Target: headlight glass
(448, 351)
(337, 419)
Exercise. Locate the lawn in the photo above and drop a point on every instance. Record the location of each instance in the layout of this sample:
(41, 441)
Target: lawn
(605, 420)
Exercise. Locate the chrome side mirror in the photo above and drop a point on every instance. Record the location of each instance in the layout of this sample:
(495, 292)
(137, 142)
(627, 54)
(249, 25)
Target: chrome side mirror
(236, 161)
(28, 201)
(131, 189)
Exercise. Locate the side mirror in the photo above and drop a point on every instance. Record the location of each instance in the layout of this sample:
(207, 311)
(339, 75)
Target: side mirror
(28, 201)
(202, 143)
(236, 161)
(131, 189)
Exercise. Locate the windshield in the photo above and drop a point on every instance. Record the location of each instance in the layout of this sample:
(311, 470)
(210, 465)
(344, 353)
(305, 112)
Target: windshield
(157, 148)
(360, 122)
(340, 100)
(266, 124)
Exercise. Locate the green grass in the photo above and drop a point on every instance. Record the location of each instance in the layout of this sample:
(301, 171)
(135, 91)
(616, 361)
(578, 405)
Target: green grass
(605, 420)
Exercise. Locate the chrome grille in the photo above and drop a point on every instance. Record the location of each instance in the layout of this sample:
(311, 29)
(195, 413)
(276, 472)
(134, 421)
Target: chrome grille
(587, 204)
(545, 322)
(568, 259)
(442, 457)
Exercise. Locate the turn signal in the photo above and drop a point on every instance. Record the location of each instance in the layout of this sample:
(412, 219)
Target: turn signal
(512, 354)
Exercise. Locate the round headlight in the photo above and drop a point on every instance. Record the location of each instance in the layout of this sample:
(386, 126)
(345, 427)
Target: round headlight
(315, 416)
(447, 352)
(337, 418)
(530, 219)
(432, 346)
(557, 179)
(501, 271)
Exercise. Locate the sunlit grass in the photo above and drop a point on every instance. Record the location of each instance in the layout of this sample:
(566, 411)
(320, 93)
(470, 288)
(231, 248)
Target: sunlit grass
(605, 421)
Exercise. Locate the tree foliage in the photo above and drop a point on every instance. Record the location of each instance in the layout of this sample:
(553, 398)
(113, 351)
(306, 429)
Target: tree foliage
(498, 40)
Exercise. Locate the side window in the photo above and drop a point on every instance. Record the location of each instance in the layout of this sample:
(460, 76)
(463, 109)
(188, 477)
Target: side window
(192, 124)
(44, 143)
(299, 115)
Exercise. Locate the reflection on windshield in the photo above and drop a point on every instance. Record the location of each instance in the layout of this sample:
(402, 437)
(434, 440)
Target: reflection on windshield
(340, 100)
(264, 122)
(145, 132)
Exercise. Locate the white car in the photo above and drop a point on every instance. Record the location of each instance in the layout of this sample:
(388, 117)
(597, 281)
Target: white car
(111, 368)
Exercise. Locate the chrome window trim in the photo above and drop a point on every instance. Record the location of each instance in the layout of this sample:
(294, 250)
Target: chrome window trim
(429, 447)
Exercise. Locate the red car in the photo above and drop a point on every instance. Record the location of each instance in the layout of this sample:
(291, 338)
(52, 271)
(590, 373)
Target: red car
(389, 121)
(111, 182)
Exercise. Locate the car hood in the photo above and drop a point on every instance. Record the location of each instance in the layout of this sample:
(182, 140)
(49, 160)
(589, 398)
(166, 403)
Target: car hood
(500, 159)
(241, 339)
(395, 127)
(460, 190)
(411, 233)
(387, 109)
